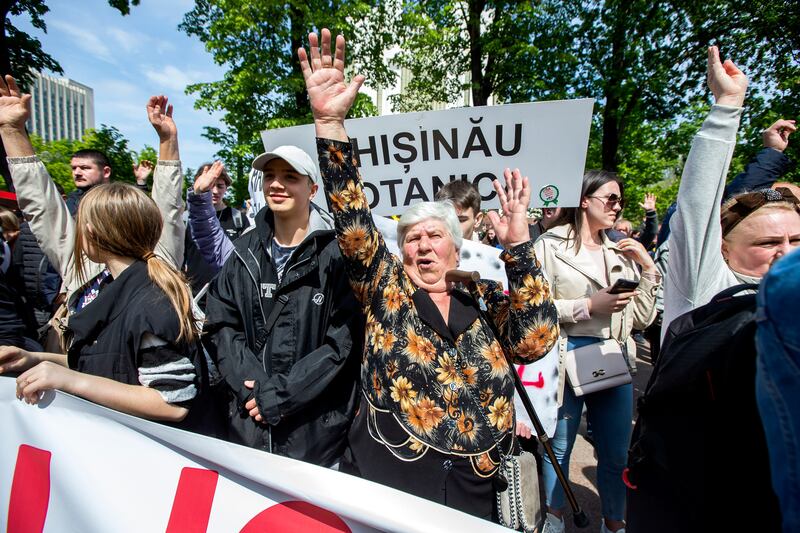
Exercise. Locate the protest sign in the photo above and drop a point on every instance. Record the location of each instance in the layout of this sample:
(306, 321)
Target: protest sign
(70, 465)
(406, 158)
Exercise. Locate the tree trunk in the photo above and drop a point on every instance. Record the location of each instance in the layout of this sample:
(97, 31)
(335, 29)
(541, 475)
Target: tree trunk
(612, 112)
(479, 97)
(298, 32)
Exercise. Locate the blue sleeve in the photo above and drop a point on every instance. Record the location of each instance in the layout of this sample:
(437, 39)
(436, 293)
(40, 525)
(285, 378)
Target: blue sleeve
(51, 284)
(767, 167)
(206, 231)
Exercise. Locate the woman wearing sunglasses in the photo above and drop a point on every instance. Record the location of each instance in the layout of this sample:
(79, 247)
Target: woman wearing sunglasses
(582, 265)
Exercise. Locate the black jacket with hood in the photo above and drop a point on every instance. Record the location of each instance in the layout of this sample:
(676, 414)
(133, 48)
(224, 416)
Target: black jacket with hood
(300, 339)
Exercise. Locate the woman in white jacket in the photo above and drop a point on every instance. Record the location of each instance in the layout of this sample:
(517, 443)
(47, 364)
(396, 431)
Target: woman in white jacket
(582, 264)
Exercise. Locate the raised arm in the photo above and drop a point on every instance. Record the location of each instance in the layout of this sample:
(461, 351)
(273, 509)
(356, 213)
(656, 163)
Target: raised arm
(650, 229)
(769, 164)
(366, 256)
(38, 198)
(207, 233)
(695, 251)
(168, 181)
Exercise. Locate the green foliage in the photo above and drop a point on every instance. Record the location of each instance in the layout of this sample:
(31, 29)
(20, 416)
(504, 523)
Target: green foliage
(263, 86)
(19, 52)
(56, 155)
(148, 153)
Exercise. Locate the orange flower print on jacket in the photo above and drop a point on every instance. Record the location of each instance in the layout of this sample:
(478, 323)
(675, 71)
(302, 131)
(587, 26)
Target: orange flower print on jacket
(501, 414)
(494, 354)
(425, 415)
(444, 390)
(420, 350)
(403, 393)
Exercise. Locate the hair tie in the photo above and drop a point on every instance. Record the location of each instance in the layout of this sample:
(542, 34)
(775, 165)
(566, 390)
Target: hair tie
(148, 256)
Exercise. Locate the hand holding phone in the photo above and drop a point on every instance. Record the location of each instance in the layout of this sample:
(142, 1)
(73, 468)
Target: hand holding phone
(623, 285)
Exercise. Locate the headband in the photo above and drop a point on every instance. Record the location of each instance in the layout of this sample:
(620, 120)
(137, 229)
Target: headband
(746, 204)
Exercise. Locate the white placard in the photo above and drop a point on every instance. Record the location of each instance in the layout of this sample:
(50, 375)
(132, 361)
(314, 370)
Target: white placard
(406, 158)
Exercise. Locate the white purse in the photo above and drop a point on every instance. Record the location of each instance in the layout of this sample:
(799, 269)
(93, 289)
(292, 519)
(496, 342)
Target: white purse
(597, 366)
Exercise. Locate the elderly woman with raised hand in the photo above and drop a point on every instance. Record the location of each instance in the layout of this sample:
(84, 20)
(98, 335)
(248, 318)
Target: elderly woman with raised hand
(437, 406)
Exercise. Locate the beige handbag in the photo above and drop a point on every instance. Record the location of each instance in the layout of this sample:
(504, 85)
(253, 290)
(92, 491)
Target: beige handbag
(56, 337)
(597, 366)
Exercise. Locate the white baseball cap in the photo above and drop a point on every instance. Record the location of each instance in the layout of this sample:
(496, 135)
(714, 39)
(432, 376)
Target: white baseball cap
(297, 158)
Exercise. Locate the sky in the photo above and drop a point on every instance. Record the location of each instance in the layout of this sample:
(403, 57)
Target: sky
(126, 59)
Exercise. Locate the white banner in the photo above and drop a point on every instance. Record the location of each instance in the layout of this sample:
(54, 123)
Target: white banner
(406, 158)
(70, 465)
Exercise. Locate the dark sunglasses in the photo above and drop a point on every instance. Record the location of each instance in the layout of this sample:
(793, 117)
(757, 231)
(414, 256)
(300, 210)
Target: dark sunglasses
(611, 200)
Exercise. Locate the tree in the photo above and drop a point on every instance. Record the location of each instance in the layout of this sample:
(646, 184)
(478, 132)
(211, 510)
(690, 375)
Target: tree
(451, 46)
(263, 86)
(21, 53)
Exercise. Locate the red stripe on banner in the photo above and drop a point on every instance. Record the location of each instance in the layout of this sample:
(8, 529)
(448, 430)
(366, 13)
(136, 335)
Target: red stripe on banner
(30, 490)
(296, 517)
(191, 507)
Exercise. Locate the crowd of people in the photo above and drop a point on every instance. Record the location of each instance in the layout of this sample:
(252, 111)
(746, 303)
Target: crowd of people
(296, 331)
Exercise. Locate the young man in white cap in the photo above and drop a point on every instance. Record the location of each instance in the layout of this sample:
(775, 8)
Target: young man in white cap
(283, 325)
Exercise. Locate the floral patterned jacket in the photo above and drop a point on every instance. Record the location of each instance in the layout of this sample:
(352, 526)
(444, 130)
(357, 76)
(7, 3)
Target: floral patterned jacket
(432, 377)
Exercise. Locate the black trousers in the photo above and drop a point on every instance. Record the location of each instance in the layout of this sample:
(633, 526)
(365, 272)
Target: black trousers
(445, 479)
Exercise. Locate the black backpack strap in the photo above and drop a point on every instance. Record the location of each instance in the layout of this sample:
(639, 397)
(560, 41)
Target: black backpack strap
(732, 291)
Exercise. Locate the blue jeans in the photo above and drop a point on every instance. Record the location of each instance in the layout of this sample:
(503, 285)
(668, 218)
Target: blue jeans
(778, 381)
(610, 414)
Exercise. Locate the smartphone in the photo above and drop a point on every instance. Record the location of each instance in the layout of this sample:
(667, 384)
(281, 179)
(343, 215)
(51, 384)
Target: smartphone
(623, 285)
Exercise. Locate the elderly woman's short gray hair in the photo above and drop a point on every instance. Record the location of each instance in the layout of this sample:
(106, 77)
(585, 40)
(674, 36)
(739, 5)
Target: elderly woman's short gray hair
(444, 211)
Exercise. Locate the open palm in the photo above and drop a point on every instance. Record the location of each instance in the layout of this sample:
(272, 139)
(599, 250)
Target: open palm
(159, 112)
(511, 227)
(330, 97)
(15, 108)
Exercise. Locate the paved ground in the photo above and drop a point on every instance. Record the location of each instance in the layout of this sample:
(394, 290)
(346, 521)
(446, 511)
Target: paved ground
(583, 463)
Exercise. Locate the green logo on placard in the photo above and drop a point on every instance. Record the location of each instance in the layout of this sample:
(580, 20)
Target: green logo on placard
(549, 195)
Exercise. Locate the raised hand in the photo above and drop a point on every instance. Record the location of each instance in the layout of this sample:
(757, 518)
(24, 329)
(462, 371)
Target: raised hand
(142, 171)
(330, 97)
(159, 112)
(15, 108)
(205, 181)
(635, 250)
(511, 228)
(649, 203)
(726, 81)
(777, 135)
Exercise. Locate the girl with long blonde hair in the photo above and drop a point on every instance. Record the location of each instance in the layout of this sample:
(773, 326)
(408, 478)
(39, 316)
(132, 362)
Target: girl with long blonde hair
(133, 344)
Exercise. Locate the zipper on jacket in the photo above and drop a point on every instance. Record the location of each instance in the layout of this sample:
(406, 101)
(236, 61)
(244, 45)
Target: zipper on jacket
(264, 348)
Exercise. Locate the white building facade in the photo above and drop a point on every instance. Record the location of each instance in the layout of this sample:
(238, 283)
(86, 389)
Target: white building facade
(61, 108)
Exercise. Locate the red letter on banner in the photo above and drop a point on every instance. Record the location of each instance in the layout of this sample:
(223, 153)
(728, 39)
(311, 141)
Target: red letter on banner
(297, 517)
(193, 498)
(30, 491)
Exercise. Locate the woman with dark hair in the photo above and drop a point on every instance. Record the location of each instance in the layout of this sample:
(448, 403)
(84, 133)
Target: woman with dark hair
(134, 349)
(582, 265)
